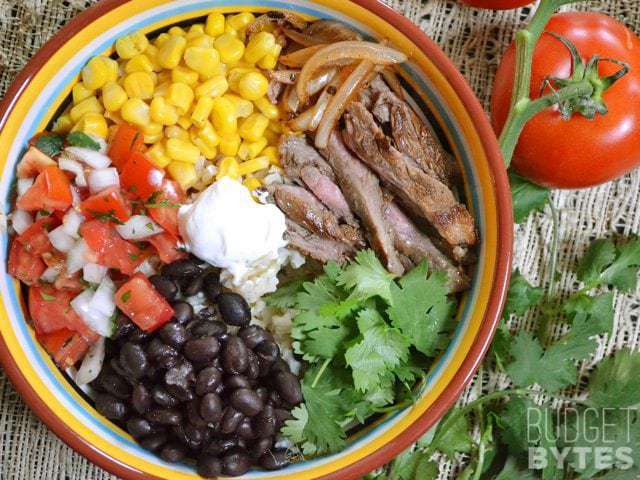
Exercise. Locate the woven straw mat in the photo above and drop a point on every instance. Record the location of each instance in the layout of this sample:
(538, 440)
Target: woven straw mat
(474, 40)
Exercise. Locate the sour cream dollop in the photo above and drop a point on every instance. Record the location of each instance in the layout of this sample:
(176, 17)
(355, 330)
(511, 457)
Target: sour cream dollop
(228, 229)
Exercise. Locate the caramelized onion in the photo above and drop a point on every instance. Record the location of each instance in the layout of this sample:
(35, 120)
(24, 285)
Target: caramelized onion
(290, 99)
(287, 77)
(329, 31)
(321, 80)
(275, 17)
(393, 81)
(298, 58)
(310, 119)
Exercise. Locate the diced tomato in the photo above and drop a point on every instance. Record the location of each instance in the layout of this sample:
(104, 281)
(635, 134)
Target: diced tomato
(168, 201)
(54, 259)
(33, 162)
(35, 239)
(110, 248)
(142, 303)
(107, 203)
(70, 283)
(127, 139)
(23, 265)
(51, 191)
(167, 246)
(141, 177)
(50, 310)
(65, 346)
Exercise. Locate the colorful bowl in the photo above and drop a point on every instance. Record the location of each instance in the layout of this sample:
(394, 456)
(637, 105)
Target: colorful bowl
(40, 91)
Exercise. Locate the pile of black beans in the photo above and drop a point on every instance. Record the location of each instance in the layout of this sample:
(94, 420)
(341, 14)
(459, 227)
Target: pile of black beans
(206, 387)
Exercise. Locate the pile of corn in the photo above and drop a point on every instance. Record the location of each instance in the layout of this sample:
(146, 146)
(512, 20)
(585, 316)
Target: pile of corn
(198, 96)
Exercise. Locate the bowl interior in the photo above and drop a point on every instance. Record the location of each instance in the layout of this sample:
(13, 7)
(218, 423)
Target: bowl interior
(46, 92)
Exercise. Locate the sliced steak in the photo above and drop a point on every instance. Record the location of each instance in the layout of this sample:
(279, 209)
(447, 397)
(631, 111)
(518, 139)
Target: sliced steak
(314, 246)
(362, 190)
(417, 246)
(422, 193)
(296, 153)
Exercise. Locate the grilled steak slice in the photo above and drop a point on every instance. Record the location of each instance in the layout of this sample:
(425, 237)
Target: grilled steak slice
(362, 190)
(416, 245)
(422, 193)
(305, 209)
(314, 246)
(296, 153)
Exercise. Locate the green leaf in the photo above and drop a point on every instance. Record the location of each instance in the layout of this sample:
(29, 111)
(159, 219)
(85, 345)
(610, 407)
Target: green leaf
(47, 297)
(317, 294)
(527, 197)
(521, 296)
(413, 464)
(80, 139)
(319, 336)
(600, 254)
(512, 471)
(500, 350)
(366, 277)
(285, 295)
(606, 264)
(616, 382)
(126, 296)
(456, 439)
(50, 144)
(526, 352)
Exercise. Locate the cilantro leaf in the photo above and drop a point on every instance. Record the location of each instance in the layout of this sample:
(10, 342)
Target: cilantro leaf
(285, 295)
(511, 470)
(320, 336)
(606, 264)
(317, 294)
(598, 257)
(50, 144)
(456, 439)
(413, 464)
(81, 139)
(526, 352)
(521, 296)
(366, 277)
(615, 382)
(527, 197)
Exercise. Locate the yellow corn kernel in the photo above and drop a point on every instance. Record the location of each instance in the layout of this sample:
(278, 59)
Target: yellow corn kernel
(158, 155)
(208, 135)
(170, 52)
(80, 92)
(230, 144)
(244, 108)
(115, 117)
(184, 75)
(232, 32)
(204, 41)
(202, 110)
(152, 138)
(182, 151)
(252, 183)
(240, 20)
(236, 73)
(161, 40)
(162, 89)
(177, 31)
(135, 111)
(267, 108)
(249, 150)
(162, 112)
(253, 85)
(252, 127)
(174, 131)
(215, 24)
(63, 124)
(185, 122)
(92, 123)
(209, 152)
(113, 97)
(230, 48)
(259, 45)
(131, 45)
(214, 87)
(228, 167)
(180, 95)
(183, 173)
(253, 165)
(139, 85)
(202, 60)
(98, 71)
(272, 154)
(223, 116)
(269, 61)
(151, 53)
(88, 105)
(139, 63)
(195, 30)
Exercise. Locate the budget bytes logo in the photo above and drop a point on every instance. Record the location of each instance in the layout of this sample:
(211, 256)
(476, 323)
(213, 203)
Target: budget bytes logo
(583, 439)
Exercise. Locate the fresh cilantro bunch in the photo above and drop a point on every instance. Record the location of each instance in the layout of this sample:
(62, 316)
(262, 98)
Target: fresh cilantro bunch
(367, 337)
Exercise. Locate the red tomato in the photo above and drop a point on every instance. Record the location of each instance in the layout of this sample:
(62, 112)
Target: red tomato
(142, 303)
(35, 239)
(141, 177)
(50, 191)
(65, 346)
(168, 201)
(70, 283)
(50, 310)
(578, 152)
(107, 203)
(23, 265)
(167, 247)
(33, 162)
(497, 4)
(127, 139)
(110, 248)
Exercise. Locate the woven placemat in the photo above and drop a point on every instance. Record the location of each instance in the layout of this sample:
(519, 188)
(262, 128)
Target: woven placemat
(474, 40)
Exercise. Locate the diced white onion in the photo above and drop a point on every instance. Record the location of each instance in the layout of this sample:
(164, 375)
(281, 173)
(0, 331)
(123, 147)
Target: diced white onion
(60, 239)
(102, 178)
(77, 257)
(50, 275)
(75, 196)
(103, 299)
(71, 222)
(23, 185)
(138, 227)
(75, 167)
(149, 266)
(21, 220)
(94, 273)
(90, 157)
(97, 321)
(91, 363)
(100, 141)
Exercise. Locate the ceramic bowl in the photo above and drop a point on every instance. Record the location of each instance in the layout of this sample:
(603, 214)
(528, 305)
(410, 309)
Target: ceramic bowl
(41, 91)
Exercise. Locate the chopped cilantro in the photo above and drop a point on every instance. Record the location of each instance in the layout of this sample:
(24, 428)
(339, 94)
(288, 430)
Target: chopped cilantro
(50, 144)
(106, 217)
(47, 297)
(81, 139)
(126, 296)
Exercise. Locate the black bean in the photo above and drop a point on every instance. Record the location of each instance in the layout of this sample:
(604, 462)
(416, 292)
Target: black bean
(221, 445)
(162, 397)
(111, 407)
(172, 452)
(268, 351)
(282, 415)
(245, 429)
(246, 401)
(206, 328)
(195, 436)
(208, 380)
(211, 286)
(235, 358)
(133, 360)
(236, 462)
(279, 365)
(173, 334)
(123, 327)
(254, 335)
(164, 416)
(288, 386)
(231, 418)
(202, 349)
(209, 466)
(115, 365)
(208, 313)
(165, 286)
(261, 446)
(234, 309)
(194, 286)
(114, 384)
(274, 398)
(139, 427)
(182, 269)
(211, 408)
(138, 336)
(265, 424)
(263, 394)
(193, 414)
(233, 382)
(183, 311)
(253, 368)
(274, 459)
(154, 441)
(141, 398)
